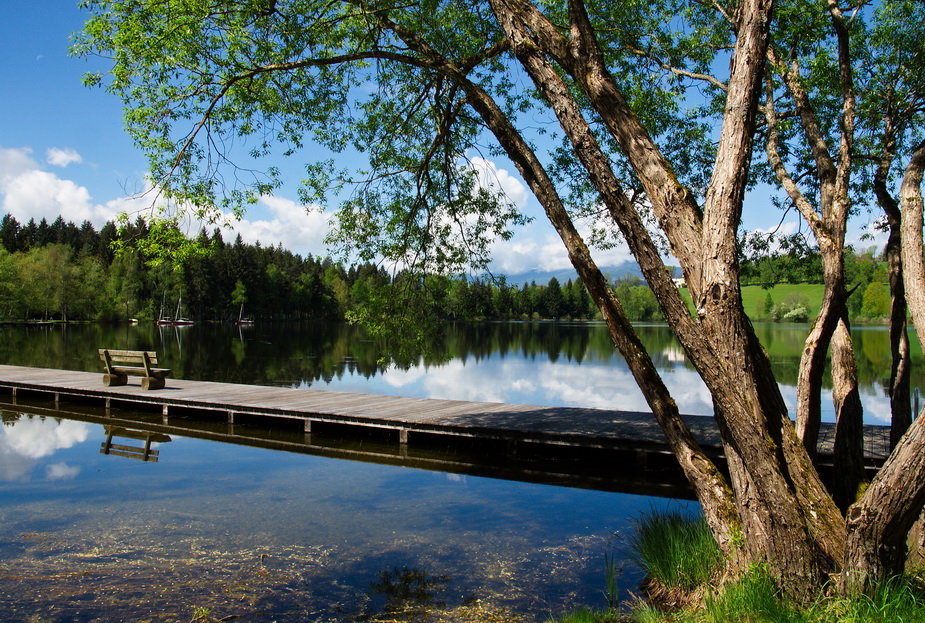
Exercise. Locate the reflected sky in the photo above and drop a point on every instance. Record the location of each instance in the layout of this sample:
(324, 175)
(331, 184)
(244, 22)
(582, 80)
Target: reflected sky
(595, 384)
(242, 530)
(23, 443)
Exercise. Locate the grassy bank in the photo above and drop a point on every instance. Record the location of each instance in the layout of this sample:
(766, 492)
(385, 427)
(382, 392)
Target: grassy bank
(682, 564)
(755, 298)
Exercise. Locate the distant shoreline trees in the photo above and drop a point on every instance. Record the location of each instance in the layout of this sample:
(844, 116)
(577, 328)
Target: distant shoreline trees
(62, 271)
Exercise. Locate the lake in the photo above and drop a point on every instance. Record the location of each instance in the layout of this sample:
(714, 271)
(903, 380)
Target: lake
(272, 535)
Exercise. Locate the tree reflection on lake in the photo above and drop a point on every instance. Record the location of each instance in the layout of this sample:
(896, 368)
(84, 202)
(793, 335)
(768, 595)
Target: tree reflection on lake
(552, 364)
(248, 531)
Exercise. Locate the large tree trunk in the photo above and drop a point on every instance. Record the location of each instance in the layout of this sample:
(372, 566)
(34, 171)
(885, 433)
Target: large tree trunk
(849, 427)
(901, 360)
(813, 360)
(878, 525)
(788, 519)
(900, 407)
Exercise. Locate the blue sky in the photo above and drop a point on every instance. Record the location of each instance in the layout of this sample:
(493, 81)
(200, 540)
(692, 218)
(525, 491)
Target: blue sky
(63, 151)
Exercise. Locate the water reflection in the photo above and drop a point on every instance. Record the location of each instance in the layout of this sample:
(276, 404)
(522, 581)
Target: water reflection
(249, 532)
(144, 452)
(410, 594)
(25, 439)
(530, 363)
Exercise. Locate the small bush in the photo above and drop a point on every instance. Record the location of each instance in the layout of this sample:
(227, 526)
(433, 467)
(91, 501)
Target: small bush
(794, 308)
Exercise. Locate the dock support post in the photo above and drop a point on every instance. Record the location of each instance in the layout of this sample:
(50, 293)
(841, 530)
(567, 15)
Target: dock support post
(14, 395)
(164, 414)
(308, 427)
(403, 442)
(57, 399)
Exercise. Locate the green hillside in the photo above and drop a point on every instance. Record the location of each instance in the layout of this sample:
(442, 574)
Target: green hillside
(754, 298)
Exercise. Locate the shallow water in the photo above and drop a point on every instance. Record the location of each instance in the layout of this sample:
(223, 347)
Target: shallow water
(268, 535)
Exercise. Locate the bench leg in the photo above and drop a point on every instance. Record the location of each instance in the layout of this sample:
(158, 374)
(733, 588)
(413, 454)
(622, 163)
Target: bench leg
(114, 380)
(151, 382)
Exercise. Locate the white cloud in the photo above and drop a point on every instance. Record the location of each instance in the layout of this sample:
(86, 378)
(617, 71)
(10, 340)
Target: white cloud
(63, 157)
(28, 439)
(299, 229)
(531, 249)
(36, 438)
(865, 235)
(492, 178)
(61, 471)
(13, 163)
(781, 230)
(29, 192)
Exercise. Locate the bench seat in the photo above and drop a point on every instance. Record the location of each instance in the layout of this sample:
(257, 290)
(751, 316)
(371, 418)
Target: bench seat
(117, 374)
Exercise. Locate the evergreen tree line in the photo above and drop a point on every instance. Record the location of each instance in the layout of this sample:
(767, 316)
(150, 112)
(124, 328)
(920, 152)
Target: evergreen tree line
(61, 271)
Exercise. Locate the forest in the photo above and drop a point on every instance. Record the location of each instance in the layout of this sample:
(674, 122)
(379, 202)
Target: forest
(62, 271)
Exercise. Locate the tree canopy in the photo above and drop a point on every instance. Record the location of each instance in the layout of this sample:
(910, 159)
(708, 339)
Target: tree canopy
(632, 119)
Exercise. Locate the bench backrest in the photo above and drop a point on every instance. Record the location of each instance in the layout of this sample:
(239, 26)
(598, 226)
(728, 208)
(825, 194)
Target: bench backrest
(129, 356)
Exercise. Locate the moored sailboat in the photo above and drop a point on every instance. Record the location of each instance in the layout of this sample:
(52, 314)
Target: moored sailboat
(179, 320)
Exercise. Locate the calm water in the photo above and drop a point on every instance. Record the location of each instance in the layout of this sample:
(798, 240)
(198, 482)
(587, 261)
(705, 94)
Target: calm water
(532, 363)
(270, 535)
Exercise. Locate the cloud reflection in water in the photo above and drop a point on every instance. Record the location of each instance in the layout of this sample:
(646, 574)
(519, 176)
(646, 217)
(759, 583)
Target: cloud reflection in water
(27, 440)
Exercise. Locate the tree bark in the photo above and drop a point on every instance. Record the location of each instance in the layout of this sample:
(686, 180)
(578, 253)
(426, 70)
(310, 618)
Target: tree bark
(900, 407)
(878, 525)
(849, 426)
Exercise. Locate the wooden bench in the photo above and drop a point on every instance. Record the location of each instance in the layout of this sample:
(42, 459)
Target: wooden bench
(145, 453)
(117, 373)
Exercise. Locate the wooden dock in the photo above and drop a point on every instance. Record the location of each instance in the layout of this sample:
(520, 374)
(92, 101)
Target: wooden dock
(583, 434)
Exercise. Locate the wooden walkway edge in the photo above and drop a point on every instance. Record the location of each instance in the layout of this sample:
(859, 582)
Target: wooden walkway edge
(407, 418)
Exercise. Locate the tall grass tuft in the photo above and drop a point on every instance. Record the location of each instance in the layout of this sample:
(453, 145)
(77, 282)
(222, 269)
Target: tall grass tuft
(677, 551)
(901, 600)
(754, 598)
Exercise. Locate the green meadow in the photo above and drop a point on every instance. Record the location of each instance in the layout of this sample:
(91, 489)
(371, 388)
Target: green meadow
(754, 298)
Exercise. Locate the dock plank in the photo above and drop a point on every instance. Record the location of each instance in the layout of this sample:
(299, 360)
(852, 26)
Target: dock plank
(572, 425)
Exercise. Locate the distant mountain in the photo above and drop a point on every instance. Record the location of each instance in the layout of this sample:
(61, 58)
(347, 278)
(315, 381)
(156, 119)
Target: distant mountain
(542, 277)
